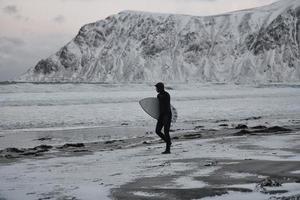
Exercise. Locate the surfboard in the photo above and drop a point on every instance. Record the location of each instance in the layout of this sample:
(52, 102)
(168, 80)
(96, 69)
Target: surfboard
(151, 106)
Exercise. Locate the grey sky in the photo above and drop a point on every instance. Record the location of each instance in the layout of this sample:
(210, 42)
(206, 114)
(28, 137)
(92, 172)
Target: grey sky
(59, 19)
(34, 29)
(10, 9)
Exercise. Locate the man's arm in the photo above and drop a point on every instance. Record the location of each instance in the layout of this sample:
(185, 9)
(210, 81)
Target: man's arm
(160, 102)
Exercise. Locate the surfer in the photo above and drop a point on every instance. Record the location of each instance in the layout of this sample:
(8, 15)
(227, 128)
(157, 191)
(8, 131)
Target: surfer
(165, 116)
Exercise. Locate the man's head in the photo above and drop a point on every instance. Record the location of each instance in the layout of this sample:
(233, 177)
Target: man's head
(160, 87)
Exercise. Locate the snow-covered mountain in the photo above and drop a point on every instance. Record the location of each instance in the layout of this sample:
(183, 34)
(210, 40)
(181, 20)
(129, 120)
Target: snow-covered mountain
(260, 44)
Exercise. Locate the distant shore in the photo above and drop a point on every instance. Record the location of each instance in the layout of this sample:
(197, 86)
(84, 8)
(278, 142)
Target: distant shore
(263, 84)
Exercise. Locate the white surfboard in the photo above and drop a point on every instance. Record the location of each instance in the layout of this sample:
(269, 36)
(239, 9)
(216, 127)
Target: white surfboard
(151, 107)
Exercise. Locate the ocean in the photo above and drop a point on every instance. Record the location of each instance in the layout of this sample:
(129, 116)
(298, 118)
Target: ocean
(90, 112)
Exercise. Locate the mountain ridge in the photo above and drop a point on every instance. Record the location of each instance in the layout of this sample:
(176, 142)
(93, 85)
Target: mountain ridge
(253, 45)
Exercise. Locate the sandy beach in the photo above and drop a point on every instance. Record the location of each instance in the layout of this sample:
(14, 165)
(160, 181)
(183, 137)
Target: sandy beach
(220, 165)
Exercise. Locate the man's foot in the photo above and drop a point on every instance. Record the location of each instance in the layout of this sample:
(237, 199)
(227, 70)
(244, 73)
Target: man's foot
(166, 152)
(168, 149)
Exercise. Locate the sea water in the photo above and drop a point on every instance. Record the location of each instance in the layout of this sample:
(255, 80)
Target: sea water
(88, 112)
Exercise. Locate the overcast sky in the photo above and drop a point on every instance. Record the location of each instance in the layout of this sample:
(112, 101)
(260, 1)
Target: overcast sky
(34, 29)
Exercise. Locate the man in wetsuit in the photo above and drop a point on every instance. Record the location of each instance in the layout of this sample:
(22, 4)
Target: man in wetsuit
(165, 116)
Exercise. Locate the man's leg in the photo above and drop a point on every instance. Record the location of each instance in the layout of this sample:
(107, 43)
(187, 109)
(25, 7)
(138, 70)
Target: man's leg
(167, 124)
(167, 134)
(158, 128)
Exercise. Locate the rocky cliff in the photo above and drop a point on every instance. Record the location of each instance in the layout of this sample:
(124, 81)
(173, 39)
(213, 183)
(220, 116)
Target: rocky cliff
(260, 44)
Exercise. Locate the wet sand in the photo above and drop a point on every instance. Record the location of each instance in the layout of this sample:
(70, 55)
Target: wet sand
(219, 183)
(204, 163)
(228, 176)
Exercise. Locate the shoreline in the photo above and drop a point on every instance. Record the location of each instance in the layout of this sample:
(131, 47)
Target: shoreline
(46, 149)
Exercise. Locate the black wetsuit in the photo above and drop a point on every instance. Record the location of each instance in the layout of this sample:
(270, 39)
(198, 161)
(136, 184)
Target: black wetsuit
(165, 117)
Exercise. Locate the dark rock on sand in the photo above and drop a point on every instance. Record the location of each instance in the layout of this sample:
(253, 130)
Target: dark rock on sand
(198, 127)
(241, 126)
(44, 138)
(253, 118)
(242, 132)
(81, 150)
(110, 141)
(36, 150)
(268, 182)
(192, 136)
(223, 124)
(113, 141)
(211, 129)
(76, 145)
(259, 127)
(222, 120)
(9, 156)
(274, 129)
(13, 150)
(296, 197)
(31, 153)
(211, 163)
(16, 153)
(43, 147)
(275, 191)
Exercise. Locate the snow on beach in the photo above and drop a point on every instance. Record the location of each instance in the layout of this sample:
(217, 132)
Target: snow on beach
(92, 176)
(91, 113)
